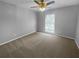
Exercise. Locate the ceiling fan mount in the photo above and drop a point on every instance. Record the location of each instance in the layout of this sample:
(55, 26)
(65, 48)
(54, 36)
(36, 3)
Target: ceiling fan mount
(42, 4)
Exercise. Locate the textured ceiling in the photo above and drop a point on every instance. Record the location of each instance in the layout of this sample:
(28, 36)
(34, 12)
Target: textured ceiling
(30, 3)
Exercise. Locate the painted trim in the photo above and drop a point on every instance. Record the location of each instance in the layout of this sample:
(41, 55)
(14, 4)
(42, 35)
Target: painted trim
(16, 38)
(65, 36)
(61, 35)
(70, 38)
(77, 44)
(34, 32)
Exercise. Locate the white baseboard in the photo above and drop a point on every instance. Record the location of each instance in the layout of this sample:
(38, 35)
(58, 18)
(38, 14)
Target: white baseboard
(70, 38)
(65, 36)
(77, 44)
(31, 33)
(16, 38)
(61, 35)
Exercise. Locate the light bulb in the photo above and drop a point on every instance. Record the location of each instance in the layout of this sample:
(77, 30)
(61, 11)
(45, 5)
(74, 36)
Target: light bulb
(42, 9)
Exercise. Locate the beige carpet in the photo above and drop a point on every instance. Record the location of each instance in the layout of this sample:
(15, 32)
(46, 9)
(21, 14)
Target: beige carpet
(40, 45)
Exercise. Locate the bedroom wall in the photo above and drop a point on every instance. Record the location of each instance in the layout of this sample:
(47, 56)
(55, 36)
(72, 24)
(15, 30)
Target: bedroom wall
(77, 33)
(40, 21)
(65, 21)
(15, 22)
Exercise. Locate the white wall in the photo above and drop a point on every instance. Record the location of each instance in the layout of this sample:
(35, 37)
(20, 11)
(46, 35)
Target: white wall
(15, 22)
(40, 21)
(65, 22)
(77, 36)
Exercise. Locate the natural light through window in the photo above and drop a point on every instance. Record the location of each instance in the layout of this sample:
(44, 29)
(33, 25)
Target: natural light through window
(50, 23)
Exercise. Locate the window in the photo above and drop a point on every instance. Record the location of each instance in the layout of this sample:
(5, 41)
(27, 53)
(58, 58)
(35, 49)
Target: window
(50, 23)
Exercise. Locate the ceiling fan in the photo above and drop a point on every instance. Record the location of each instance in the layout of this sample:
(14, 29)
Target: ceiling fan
(41, 4)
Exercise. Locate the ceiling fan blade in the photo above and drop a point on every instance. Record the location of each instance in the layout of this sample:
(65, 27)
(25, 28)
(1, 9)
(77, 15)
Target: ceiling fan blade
(50, 2)
(36, 2)
(34, 7)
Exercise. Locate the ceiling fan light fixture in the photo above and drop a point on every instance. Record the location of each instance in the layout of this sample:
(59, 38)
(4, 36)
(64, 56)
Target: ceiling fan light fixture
(42, 9)
(42, 5)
